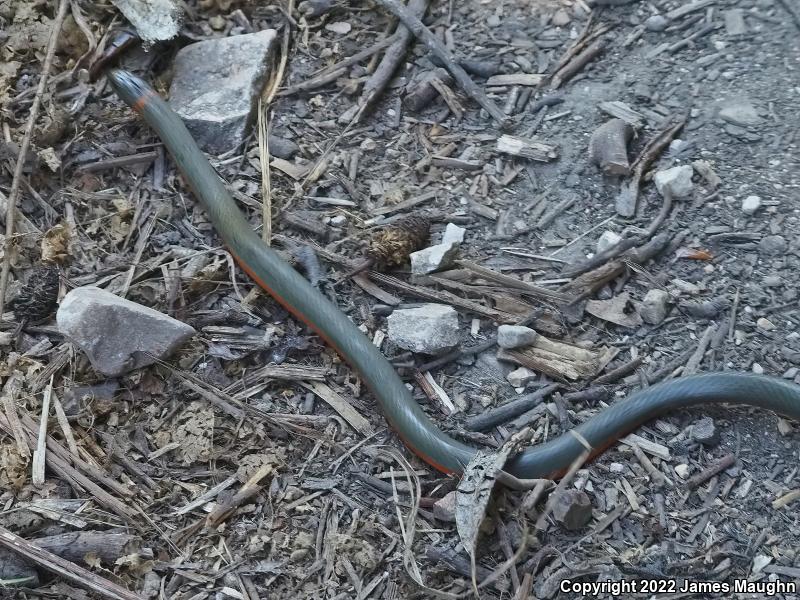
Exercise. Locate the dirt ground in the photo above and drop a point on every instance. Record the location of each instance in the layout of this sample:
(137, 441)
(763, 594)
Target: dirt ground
(338, 512)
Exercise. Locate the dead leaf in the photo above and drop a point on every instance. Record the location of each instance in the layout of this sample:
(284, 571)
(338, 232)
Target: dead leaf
(474, 491)
(13, 467)
(694, 254)
(620, 310)
(195, 433)
(55, 244)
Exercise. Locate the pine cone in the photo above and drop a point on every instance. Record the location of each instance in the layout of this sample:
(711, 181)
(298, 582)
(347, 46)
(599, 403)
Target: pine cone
(38, 297)
(391, 246)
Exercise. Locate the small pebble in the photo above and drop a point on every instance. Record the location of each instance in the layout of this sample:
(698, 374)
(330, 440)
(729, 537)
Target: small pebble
(653, 308)
(656, 23)
(765, 324)
(705, 432)
(758, 369)
(607, 240)
(682, 471)
(573, 509)
(444, 509)
(521, 377)
(751, 204)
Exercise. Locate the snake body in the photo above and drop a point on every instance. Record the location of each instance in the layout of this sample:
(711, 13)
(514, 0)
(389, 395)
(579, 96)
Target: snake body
(402, 413)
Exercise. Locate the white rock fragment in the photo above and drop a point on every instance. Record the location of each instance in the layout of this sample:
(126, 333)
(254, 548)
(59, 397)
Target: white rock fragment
(765, 324)
(653, 309)
(741, 113)
(426, 329)
(760, 561)
(682, 471)
(758, 369)
(520, 377)
(751, 204)
(515, 336)
(453, 234)
(116, 334)
(677, 179)
(433, 258)
(607, 240)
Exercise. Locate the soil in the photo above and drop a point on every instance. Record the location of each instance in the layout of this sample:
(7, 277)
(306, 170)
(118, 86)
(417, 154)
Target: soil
(331, 515)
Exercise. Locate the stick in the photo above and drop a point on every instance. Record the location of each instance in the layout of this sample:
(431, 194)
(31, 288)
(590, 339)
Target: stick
(509, 410)
(266, 181)
(39, 455)
(392, 58)
(64, 568)
(10, 391)
(13, 194)
(438, 49)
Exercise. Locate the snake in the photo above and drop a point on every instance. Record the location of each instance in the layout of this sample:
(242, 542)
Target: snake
(404, 415)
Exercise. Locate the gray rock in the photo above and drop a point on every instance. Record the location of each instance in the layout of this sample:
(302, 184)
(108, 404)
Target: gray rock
(515, 336)
(607, 240)
(427, 329)
(433, 258)
(653, 308)
(520, 377)
(444, 509)
(734, 22)
(216, 86)
(656, 23)
(705, 431)
(453, 233)
(677, 179)
(282, 148)
(116, 334)
(741, 113)
(773, 245)
(573, 509)
(751, 204)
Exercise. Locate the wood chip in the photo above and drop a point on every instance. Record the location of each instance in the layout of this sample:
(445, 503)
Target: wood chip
(341, 406)
(527, 148)
(530, 79)
(653, 448)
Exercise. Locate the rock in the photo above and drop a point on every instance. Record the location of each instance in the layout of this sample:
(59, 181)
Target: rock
(741, 113)
(765, 324)
(734, 22)
(773, 245)
(561, 18)
(521, 377)
(682, 471)
(616, 467)
(453, 234)
(607, 240)
(573, 509)
(773, 281)
(216, 85)
(707, 309)
(677, 179)
(427, 329)
(705, 432)
(757, 369)
(433, 258)
(760, 561)
(116, 334)
(444, 509)
(656, 23)
(282, 148)
(515, 336)
(653, 309)
(751, 204)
